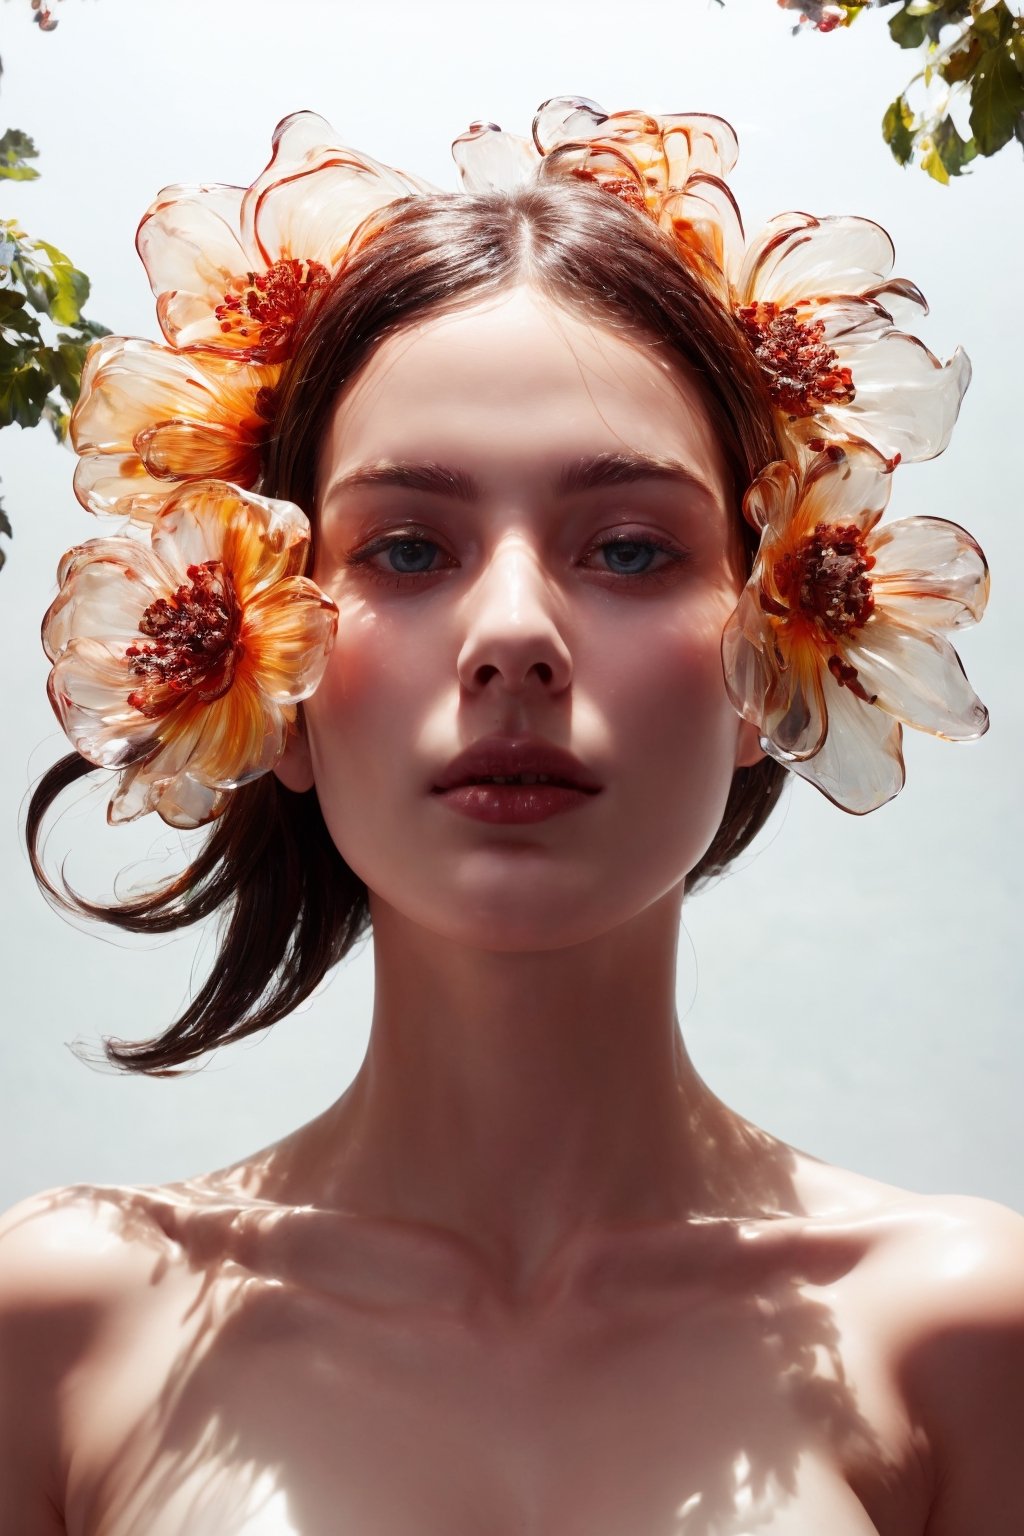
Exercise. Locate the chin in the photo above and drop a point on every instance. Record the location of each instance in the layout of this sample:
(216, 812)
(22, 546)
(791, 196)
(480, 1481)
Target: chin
(501, 914)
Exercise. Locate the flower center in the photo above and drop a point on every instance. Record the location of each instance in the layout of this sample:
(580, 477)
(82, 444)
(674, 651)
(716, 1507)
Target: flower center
(195, 642)
(826, 579)
(622, 187)
(803, 370)
(262, 307)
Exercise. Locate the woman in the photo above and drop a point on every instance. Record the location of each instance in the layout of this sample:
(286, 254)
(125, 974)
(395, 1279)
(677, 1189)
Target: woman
(527, 1273)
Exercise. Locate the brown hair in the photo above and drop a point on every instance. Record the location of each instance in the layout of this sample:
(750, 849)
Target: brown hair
(292, 906)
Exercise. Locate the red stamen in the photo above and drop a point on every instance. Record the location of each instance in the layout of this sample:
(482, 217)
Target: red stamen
(804, 374)
(195, 642)
(263, 307)
(826, 580)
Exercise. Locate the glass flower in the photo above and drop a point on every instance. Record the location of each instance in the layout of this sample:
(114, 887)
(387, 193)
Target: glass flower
(233, 267)
(642, 159)
(149, 417)
(818, 307)
(837, 636)
(181, 662)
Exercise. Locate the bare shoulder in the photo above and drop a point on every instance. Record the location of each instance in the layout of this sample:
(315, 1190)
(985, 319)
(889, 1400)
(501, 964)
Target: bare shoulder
(960, 1359)
(944, 1290)
(66, 1256)
(74, 1244)
(941, 1261)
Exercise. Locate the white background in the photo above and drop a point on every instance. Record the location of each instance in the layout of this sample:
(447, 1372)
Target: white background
(854, 987)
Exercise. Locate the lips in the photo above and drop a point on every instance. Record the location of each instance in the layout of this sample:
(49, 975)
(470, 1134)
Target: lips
(509, 757)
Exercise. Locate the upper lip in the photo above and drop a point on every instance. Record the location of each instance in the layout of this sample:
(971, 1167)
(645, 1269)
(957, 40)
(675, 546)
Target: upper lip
(507, 756)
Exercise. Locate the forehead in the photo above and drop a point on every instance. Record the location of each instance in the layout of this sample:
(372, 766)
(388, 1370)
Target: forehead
(516, 384)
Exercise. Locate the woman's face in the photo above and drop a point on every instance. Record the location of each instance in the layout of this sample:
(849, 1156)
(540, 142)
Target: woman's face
(523, 522)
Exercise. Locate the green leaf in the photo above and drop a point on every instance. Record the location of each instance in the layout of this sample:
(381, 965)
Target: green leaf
(907, 29)
(931, 161)
(22, 395)
(15, 320)
(5, 523)
(55, 288)
(997, 97)
(994, 25)
(15, 148)
(898, 129)
(953, 151)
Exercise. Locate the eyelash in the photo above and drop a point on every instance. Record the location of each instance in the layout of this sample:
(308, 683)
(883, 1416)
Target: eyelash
(364, 557)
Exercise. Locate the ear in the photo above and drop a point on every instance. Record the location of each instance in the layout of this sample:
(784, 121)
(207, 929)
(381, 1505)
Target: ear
(295, 766)
(748, 745)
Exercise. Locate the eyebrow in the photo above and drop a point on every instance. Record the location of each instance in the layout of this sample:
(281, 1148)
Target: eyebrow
(583, 474)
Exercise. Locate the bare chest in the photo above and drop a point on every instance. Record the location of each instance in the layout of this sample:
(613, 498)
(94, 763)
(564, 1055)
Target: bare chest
(236, 1406)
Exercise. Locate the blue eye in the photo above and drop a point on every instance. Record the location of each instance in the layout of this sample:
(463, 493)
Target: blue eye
(407, 557)
(629, 557)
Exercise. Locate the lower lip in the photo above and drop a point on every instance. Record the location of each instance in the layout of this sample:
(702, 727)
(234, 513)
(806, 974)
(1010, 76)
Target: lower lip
(514, 803)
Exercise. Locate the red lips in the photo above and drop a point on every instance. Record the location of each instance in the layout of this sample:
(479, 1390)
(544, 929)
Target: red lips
(508, 756)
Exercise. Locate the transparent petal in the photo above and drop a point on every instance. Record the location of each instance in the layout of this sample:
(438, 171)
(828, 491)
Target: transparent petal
(88, 690)
(906, 401)
(186, 803)
(860, 764)
(664, 150)
(299, 137)
(903, 300)
(243, 736)
(288, 632)
(312, 214)
(705, 220)
(918, 678)
(848, 485)
(165, 414)
(117, 485)
(775, 685)
(797, 256)
(186, 450)
(771, 498)
(849, 322)
(190, 240)
(711, 142)
(181, 801)
(105, 585)
(564, 119)
(929, 573)
(259, 540)
(490, 160)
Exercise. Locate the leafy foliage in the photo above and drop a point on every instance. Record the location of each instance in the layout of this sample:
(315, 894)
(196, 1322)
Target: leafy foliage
(40, 373)
(973, 52)
(44, 336)
(15, 149)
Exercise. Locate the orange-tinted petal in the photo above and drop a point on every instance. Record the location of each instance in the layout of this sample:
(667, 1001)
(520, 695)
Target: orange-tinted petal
(288, 632)
(929, 573)
(918, 678)
(860, 764)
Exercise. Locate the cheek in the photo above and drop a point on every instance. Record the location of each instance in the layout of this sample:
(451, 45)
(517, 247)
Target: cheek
(364, 720)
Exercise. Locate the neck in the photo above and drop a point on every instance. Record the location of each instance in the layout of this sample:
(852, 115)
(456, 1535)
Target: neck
(520, 1102)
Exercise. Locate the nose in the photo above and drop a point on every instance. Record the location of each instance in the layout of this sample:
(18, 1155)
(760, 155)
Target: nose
(513, 638)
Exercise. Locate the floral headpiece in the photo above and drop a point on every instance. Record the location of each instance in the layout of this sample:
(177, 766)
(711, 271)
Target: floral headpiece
(182, 645)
